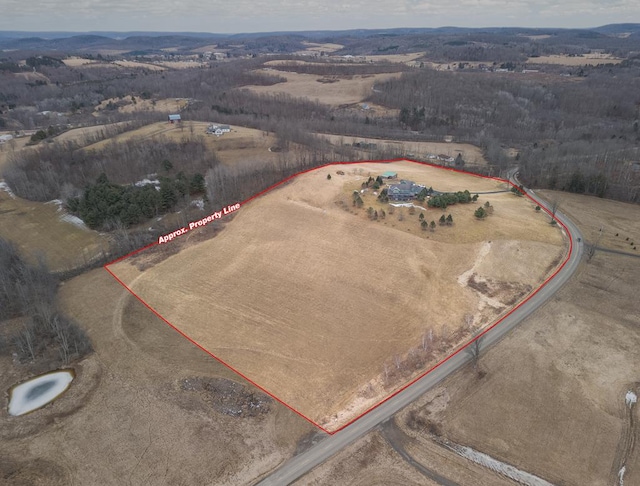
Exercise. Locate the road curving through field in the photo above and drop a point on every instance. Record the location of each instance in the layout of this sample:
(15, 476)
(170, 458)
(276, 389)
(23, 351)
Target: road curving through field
(301, 464)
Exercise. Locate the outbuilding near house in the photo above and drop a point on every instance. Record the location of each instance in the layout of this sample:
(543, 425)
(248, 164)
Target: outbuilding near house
(174, 118)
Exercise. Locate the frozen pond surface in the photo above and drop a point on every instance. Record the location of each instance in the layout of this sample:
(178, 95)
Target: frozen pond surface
(38, 391)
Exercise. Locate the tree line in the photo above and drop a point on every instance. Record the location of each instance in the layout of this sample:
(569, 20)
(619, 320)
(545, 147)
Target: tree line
(44, 335)
(61, 171)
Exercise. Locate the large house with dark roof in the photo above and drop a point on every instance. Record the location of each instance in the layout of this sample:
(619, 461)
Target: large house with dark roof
(404, 190)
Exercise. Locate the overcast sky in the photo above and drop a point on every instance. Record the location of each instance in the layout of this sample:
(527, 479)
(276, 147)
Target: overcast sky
(226, 16)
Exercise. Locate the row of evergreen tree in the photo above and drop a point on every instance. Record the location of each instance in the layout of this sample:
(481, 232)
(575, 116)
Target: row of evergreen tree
(449, 198)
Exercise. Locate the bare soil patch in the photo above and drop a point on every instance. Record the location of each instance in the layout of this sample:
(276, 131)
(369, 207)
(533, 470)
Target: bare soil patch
(298, 288)
(552, 397)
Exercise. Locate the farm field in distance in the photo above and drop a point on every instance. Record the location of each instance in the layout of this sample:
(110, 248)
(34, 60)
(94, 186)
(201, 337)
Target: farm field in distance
(583, 60)
(245, 146)
(301, 286)
(345, 89)
(470, 153)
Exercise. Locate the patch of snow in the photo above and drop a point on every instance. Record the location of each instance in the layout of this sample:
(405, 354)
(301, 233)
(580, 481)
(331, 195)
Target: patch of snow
(621, 472)
(5, 187)
(407, 205)
(57, 202)
(74, 220)
(507, 470)
(66, 217)
(199, 203)
(146, 182)
(38, 391)
(630, 398)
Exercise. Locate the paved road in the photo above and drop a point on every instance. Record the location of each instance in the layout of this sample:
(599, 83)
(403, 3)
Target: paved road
(395, 437)
(303, 463)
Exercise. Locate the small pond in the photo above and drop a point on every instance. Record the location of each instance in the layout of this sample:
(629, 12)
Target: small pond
(37, 392)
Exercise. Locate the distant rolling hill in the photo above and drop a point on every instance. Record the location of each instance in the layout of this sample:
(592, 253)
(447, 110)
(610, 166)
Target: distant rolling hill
(606, 36)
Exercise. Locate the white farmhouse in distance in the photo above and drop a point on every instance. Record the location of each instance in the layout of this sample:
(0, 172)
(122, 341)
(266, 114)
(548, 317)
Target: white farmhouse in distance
(218, 130)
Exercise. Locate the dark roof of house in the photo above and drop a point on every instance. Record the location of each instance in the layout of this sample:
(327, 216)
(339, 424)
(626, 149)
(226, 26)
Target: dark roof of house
(408, 188)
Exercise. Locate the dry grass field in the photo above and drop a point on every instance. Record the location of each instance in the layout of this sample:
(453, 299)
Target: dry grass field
(74, 61)
(133, 415)
(7, 148)
(80, 135)
(376, 459)
(347, 90)
(367, 462)
(617, 220)
(182, 64)
(245, 146)
(326, 47)
(31, 77)
(552, 398)
(300, 288)
(470, 153)
(153, 66)
(126, 105)
(137, 64)
(400, 58)
(39, 229)
(593, 59)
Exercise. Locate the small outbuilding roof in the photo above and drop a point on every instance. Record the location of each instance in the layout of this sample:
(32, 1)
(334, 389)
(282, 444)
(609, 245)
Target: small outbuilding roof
(174, 117)
(389, 173)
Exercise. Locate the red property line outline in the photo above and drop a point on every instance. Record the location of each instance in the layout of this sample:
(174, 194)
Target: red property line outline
(419, 377)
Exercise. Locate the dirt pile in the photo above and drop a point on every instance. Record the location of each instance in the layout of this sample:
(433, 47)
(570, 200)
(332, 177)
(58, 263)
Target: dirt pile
(228, 397)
